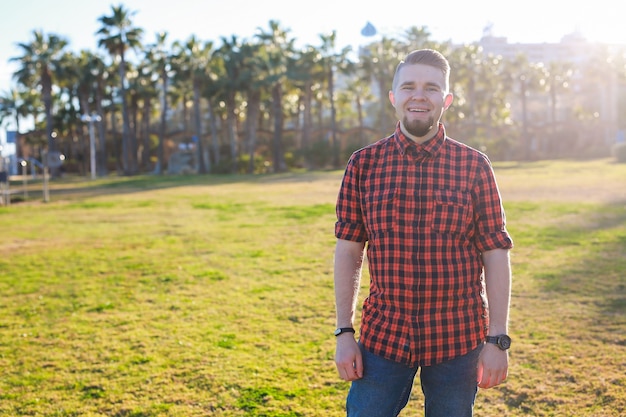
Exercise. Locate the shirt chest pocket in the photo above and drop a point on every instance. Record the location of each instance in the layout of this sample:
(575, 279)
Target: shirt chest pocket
(380, 211)
(451, 212)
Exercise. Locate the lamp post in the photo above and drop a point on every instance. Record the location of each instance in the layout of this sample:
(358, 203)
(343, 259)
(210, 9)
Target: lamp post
(23, 163)
(91, 119)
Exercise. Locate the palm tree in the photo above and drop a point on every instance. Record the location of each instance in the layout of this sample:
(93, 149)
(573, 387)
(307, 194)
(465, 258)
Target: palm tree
(379, 60)
(73, 83)
(192, 59)
(279, 51)
(8, 106)
(160, 58)
(232, 57)
(89, 74)
(31, 106)
(418, 38)
(39, 61)
(117, 36)
(360, 89)
(11, 106)
(526, 78)
(101, 74)
(472, 86)
(146, 91)
(559, 75)
(307, 73)
(333, 62)
(213, 91)
(253, 84)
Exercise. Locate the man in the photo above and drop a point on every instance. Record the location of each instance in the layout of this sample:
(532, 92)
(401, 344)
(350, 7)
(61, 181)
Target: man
(429, 209)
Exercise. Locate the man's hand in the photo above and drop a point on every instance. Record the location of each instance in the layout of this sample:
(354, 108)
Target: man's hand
(493, 365)
(348, 358)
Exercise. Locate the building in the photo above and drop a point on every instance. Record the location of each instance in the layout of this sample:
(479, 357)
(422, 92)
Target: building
(590, 90)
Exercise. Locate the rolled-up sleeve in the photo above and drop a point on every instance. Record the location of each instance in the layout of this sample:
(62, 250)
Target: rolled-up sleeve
(489, 215)
(349, 225)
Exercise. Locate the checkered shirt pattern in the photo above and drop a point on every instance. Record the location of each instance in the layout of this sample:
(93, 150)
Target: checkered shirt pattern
(427, 212)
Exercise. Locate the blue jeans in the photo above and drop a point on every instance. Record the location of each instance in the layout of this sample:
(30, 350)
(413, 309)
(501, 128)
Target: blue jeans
(449, 388)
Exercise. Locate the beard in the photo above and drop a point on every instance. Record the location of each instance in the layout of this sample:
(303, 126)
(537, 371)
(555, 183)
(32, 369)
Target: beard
(418, 128)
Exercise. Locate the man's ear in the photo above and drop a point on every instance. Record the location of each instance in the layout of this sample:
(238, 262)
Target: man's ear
(392, 98)
(448, 101)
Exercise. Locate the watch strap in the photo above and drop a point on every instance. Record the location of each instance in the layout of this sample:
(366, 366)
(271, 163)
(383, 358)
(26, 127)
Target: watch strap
(503, 341)
(342, 330)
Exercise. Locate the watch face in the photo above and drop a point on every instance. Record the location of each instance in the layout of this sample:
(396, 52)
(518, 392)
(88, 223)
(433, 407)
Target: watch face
(504, 342)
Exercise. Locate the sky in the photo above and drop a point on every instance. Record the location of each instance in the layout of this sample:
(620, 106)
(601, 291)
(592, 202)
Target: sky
(460, 21)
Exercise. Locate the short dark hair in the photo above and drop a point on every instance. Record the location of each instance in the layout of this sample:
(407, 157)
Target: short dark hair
(425, 57)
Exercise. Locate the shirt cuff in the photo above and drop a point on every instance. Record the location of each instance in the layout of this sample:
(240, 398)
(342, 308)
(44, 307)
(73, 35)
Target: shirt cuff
(354, 232)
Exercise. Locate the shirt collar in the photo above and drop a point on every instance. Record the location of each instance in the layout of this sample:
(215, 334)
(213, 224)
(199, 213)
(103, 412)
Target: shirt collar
(430, 147)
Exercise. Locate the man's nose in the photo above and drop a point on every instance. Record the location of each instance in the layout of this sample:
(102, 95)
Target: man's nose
(418, 93)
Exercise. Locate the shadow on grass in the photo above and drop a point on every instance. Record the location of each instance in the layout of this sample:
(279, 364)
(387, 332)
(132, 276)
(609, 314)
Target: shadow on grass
(74, 187)
(595, 244)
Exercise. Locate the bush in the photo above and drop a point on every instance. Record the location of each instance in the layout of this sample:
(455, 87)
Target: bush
(619, 152)
(319, 154)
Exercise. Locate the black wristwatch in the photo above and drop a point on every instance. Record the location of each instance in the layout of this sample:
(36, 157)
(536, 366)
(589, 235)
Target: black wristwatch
(342, 330)
(503, 341)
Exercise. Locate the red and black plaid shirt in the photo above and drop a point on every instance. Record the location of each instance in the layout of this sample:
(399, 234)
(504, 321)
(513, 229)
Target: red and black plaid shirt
(427, 211)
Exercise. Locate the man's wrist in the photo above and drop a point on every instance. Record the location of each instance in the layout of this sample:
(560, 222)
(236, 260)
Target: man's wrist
(502, 341)
(341, 330)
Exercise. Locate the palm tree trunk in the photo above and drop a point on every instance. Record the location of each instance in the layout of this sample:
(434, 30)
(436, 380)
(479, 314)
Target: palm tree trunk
(127, 166)
(134, 132)
(198, 122)
(252, 116)
(526, 143)
(359, 111)
(215, 142)
(307, 123)
(279, 157)
(46, 88)
(145, 152)
(162, 126)
(232, 134)
(103, 160)
(333, 118)
(118, 150)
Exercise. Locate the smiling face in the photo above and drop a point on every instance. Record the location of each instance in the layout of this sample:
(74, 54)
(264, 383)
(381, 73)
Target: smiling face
(420, 97)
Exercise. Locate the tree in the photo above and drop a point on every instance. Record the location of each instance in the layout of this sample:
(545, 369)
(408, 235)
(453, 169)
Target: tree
(212, 91)
(232, 58)
(525, 79)
(418, 38)
(279, 50)
(101, 74)
(379, 60)
(38, 62)
(479, 112)
(11, 107)
(160, 58)
(333, 62)
(306, 74)
(73, 89)
(8, 107)
(359, 87)
(145, 92)
(254, 87)
(192, 59)
(117, 35)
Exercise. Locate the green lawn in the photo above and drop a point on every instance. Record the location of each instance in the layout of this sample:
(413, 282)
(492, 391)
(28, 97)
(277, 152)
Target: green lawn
(203, 295)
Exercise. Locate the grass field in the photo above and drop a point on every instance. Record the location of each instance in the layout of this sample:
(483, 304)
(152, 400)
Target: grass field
(213, 296)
